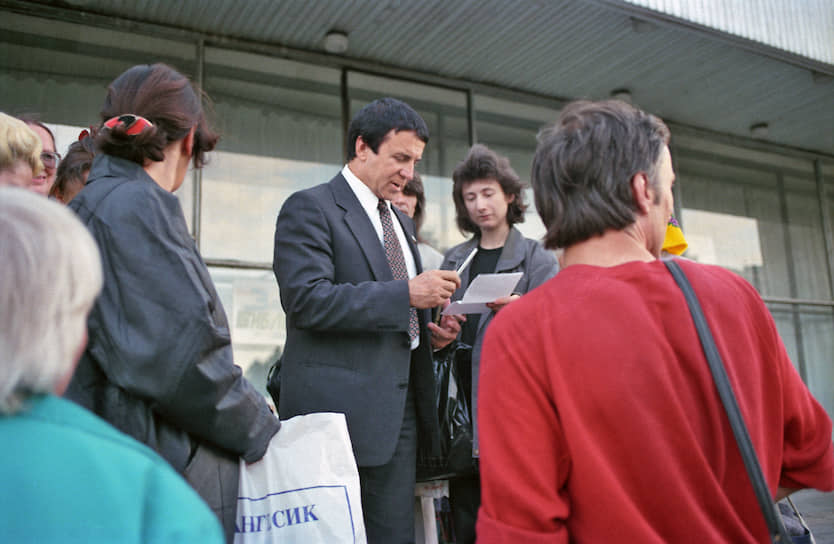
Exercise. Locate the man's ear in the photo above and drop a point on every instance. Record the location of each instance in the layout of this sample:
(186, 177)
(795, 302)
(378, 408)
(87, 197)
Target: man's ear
(188, 142)
(361, 148)
(642, 192)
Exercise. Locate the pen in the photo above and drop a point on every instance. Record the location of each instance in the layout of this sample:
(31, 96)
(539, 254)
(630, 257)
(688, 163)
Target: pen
(467, 260)
(460, 270)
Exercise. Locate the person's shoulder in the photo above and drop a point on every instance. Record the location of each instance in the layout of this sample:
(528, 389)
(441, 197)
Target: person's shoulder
(716, 276)
(716, 285)
(456, 250)
(127, 198)
(130, 477)
(538, 252)
(62, 413)
(311, 196)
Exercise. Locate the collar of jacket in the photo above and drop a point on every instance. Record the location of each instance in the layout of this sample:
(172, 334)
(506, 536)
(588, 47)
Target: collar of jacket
(108, 166)
(512, 255)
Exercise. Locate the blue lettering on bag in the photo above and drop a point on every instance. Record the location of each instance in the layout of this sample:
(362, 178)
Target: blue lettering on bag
(279, 519)
(246, 522)
(308, 513)
(275, 519)
(289, 517)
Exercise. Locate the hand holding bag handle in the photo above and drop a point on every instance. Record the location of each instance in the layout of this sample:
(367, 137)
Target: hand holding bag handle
(777, 530)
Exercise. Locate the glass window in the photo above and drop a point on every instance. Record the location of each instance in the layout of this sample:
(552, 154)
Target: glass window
(806, 238)
(61, 70)
(280, 124)
(808, 334)
(818, 343)
(783, 316)
(760, 216)
(256, 320)
(444, 111)
(510, 129)
(733, 216)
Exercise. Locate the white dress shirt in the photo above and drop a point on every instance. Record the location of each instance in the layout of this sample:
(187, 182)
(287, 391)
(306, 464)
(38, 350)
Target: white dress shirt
(370, 202)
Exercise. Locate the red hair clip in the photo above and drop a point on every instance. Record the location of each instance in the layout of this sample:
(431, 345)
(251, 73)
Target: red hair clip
(134, 124)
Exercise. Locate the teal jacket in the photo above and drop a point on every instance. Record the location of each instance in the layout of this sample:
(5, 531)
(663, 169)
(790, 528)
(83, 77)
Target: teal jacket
(70, 477)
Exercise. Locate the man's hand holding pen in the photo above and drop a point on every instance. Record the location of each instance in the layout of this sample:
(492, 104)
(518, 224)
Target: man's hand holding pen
(432, 288)
(446, 327)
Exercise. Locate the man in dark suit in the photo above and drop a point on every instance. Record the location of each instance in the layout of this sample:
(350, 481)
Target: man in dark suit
(357, 316)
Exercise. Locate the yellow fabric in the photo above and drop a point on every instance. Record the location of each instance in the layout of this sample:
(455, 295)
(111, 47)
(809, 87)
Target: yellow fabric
(674, 242)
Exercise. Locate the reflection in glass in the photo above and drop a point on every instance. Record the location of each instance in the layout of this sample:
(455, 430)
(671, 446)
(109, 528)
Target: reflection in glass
(61, 70)
(256, 320)
(818, 344)
(807, 243)
(439, 229)
(510, 129)
(242, 195)
(808, 334)
(281, 130)
(722, 239)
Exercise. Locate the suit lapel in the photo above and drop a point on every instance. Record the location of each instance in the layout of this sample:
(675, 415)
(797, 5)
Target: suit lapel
(360, 225)
(408, 228)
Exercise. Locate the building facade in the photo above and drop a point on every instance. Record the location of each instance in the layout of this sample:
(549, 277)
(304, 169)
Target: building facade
(760, 208)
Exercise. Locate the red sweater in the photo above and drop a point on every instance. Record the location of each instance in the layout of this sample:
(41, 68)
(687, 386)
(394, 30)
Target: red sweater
(600, 421)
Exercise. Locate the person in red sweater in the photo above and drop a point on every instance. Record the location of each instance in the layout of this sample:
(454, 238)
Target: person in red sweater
(598, 415)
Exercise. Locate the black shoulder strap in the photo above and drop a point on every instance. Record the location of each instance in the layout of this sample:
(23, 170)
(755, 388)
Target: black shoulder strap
(728, 399)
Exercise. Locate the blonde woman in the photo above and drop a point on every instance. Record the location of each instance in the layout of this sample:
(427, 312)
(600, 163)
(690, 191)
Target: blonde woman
(20, 150)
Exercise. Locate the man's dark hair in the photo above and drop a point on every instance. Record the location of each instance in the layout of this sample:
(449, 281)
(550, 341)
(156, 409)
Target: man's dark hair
(374, 121)
(584, 164)
(483, 163)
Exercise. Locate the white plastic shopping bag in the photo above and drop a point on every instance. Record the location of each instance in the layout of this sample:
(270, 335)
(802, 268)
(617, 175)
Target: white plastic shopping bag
(305, 489)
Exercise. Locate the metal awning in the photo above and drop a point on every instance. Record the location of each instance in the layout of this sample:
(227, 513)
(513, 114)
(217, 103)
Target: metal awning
(552, 49)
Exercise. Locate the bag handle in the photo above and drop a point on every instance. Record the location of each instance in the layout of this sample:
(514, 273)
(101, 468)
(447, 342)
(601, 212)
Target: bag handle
(775, 526)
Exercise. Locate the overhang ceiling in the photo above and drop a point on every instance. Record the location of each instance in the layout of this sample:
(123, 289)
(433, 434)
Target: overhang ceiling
(563, 49)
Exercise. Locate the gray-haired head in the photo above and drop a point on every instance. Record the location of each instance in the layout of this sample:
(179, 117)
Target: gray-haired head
(51, 277)
(584, 164)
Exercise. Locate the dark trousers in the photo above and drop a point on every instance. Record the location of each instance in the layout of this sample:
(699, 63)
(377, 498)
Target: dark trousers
(388, 490)
(465, 499)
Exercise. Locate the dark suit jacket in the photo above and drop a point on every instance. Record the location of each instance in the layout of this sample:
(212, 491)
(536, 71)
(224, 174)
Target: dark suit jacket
(347, 348)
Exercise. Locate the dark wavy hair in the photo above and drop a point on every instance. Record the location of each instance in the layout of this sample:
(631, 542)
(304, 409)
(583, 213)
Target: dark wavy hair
(584, 164)
(375, 120)
(73, 168)
(164, 97)
(483, 163)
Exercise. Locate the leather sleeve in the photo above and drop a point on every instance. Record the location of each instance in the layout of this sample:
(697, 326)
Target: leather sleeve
(159, 331)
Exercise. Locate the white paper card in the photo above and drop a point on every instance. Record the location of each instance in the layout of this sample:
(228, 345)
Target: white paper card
(485, 288)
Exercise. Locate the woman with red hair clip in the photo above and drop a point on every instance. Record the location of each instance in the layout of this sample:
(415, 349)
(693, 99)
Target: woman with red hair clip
(159, 364)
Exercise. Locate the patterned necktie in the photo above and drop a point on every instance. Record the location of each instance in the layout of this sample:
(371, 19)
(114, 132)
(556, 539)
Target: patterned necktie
(394, 254)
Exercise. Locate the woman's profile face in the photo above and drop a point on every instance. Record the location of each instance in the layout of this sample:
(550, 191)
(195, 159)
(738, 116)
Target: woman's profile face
(43, 182)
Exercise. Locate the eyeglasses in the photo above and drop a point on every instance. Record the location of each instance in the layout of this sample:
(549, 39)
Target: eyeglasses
(50, 159)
